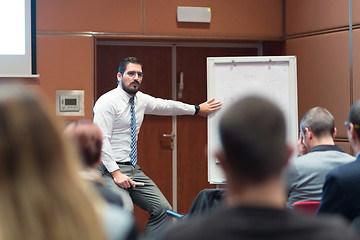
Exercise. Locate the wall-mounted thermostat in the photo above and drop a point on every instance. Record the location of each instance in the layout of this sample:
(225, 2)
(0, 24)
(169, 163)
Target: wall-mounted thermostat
(70, 103)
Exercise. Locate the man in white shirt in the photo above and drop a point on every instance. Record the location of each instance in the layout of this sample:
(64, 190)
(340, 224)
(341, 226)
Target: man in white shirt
(119, 114)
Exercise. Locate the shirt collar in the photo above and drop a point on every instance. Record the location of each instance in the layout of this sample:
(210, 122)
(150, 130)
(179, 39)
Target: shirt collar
(321, 148)
(124, 95)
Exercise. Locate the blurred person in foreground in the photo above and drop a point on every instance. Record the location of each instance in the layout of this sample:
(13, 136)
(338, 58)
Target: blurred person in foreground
(87, 137)
(42, 196)
(253, 156)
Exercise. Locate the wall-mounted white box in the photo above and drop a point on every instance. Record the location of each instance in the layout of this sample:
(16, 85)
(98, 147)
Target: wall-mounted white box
(194, 14)
(69, 103)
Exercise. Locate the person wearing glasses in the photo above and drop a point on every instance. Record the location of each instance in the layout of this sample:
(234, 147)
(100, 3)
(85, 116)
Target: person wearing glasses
(306, 173)
(341, 193)
(119, 114)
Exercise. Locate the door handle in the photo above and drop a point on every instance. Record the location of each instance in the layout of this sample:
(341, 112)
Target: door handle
(171, 135)
(181, 86)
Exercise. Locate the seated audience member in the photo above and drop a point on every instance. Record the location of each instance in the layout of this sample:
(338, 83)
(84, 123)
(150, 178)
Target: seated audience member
(341, 193)
(253, 156)
(41, 195)
(306, 173)
(87, 137)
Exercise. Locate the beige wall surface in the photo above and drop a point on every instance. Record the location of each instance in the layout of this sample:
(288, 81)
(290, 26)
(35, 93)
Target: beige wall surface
(65, 63)
(356, 61)
(308, 15)
(89, 15)
(346, 147)
(247, 18)
(323, 74)
(356, 11)
(65, 55)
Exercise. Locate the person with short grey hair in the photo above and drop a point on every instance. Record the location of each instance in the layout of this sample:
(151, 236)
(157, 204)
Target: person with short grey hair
(306, 173)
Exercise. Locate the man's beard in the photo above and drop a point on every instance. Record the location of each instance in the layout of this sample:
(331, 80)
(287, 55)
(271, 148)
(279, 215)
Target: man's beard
(130, 90)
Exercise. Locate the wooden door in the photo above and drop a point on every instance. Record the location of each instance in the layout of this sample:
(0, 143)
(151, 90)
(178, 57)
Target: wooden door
(154, 151)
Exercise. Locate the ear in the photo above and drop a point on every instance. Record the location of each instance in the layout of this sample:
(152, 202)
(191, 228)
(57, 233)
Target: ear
(308, 133)
(335, 130)
(119, 77)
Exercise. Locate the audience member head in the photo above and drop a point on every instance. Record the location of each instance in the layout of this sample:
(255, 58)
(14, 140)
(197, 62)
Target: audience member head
(88, 139)
(317, 127)
(353, 126)
(253, 136)
(41, 194)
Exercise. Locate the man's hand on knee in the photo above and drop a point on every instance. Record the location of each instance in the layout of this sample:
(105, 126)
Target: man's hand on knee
(122, 180)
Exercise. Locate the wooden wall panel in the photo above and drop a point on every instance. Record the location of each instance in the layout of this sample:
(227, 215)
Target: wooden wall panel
(323, 74)
(346, 146)
(65, 63)
(89, 15)
(309, 15)
(261, 18)
(356, 62)
(356, 11)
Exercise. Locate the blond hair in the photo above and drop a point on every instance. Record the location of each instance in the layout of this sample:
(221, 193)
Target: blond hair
(41, 195)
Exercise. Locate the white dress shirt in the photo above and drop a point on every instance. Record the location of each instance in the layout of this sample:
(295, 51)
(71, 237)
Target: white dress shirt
(112, 115)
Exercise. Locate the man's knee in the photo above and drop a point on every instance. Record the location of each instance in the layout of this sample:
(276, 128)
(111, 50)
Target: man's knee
(160, 208)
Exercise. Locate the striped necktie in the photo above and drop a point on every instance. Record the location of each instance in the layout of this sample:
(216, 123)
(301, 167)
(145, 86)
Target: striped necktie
(133, 145)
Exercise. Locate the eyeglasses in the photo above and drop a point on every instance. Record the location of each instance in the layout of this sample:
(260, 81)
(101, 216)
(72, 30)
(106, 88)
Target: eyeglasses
(132, 74)
(356, 126)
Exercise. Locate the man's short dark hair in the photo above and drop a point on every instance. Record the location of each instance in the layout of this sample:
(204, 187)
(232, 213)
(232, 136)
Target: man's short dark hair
(126, 61)
(354, 117)
(253, 135)
(319, 121)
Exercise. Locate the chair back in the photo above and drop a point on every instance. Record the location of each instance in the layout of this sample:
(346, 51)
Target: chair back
(306, 207)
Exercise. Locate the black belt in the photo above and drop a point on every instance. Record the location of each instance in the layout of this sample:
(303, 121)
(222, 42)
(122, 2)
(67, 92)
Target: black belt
(125, 163)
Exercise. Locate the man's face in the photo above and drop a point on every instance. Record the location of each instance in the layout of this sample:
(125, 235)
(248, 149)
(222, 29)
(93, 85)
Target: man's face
(131, 79)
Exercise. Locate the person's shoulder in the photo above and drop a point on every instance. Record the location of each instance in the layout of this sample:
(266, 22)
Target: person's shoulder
(300, 161)
(108, 94)
(106, 100)
(270, 224)
(142, 95)
(343, 155)
(196, 228)
(188, 229)
(330, 227)
(347, 170)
